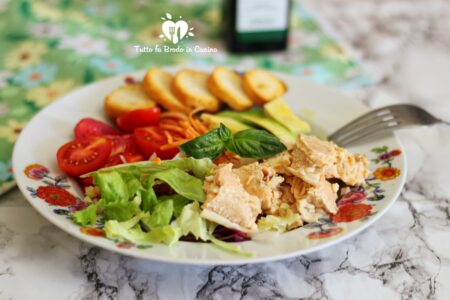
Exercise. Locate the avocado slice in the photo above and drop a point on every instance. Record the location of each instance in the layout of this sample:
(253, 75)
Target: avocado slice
(215, 120)
(285, 135)
(279, 110)
(239, 116)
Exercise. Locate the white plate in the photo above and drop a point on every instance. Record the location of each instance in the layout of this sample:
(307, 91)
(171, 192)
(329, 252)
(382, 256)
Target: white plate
(53, 126)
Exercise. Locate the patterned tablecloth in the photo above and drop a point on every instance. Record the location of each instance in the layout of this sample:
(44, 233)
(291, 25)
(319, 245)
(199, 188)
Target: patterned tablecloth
(49, 48)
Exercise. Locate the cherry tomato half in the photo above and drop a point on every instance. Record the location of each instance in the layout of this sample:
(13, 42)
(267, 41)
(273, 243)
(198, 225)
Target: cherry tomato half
(150, 139)
(88, 126)
(124, 150)
(84, 155)
(123, 143)
(125, 157)
(138, 118)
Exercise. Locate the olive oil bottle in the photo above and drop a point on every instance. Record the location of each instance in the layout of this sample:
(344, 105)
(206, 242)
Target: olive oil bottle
(256, 25)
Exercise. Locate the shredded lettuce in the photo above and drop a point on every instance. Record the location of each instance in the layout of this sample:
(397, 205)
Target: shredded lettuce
(120, 210)
(161, 215)
(229, 247)
(190, 221)
(199, 167)
(179, 202)
(133, 212)
(280, 223)
(87, 216)
(112, 186)
(131, 231)
(181, 182)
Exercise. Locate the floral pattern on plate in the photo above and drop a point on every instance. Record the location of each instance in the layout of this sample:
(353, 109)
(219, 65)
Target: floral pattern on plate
(353, 206)
(360, 202)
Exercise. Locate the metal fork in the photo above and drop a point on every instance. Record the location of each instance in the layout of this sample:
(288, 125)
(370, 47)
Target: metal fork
(379, 122)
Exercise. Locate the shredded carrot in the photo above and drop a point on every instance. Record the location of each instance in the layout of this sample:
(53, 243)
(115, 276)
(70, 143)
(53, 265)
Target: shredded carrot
(185, 127)
(168, 137)
(173, 145)
(173, 114)
(175, 128)
(185, 123)
(201, 127)
(191, 134)
(197, 124)
(170, 121)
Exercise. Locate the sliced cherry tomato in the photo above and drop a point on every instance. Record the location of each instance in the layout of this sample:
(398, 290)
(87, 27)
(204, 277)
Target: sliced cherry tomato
(138, 118)
(150, 139)
(120, 143)
(87, 181)
(88, 126)
(133, 157)
(84, 155)
(123, 143)
(126, 157)
(113, 161)
(124, 150)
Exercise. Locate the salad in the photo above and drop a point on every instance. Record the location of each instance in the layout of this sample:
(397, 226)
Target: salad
(190, 159)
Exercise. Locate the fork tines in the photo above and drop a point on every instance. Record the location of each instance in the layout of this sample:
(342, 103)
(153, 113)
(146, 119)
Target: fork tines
(380, 122)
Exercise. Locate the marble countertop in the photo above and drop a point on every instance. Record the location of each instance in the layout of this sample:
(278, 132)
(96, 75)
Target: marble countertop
(405, 255)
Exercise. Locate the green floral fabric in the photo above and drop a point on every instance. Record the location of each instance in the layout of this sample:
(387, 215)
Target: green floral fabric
(49, 48)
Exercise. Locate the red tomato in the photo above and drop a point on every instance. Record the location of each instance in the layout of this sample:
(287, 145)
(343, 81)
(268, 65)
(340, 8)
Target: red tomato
(150, 139)
(126, 157)
(123, 144)
(138, 118)
(133, 157)
(87, 181)
(88, 126)
(113, 161)
(124, 149)
(84, 155)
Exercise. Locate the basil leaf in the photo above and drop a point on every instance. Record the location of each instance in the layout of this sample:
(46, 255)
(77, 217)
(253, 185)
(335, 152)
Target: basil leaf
(208, 145)
(254, 143)
(224, 133)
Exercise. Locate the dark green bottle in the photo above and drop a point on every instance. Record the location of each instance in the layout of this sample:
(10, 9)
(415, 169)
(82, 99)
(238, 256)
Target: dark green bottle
(256, 25)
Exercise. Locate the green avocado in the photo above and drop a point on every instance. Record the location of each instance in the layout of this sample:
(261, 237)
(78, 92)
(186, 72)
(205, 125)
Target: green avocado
(215, 120)
(257, 118)
(279, 110)
(285, 135)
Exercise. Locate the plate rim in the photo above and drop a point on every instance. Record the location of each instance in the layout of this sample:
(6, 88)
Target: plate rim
(195, 261)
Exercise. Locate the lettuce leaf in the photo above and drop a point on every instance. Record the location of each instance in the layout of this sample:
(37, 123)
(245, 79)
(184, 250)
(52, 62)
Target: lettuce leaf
(131, 231)
(120, 211)
(149, 199)
(199, 167)
(179, 202)
(87, 215)
(112, 186)
(181, 182)
(229, 247)
(280, 223)
(190, 221)
(160, 216)
(132, 181)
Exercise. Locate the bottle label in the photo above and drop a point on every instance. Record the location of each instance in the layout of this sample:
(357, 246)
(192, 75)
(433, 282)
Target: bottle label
(261, 15)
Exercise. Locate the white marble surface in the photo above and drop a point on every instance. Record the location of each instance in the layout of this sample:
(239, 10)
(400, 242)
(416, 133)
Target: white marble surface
(405, 255)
